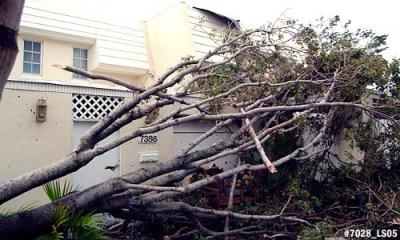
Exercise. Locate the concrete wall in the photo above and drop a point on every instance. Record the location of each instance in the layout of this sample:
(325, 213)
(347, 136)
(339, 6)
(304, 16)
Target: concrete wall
(26, 144)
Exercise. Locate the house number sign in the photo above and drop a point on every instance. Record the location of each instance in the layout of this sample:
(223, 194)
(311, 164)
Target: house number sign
(148, 139)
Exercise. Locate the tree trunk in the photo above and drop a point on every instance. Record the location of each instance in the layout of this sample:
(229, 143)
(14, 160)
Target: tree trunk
(10, 16)
(38, 221)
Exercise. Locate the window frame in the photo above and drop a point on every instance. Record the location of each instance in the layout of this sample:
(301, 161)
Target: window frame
(31, 62)
(80, 59)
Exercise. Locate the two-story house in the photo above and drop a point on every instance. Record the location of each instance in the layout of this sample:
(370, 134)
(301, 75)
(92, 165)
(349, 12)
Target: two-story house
(45, 111)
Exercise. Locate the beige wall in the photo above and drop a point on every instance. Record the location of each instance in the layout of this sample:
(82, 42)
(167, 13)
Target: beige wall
(53, 52)
(60, 52)
(168, 38)
(130, 150)
(26, 144)
(136, 80)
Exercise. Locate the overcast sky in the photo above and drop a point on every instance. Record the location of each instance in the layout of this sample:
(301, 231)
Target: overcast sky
(380, 16)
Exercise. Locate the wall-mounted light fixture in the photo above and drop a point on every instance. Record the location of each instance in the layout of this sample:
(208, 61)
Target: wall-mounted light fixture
(41, 110)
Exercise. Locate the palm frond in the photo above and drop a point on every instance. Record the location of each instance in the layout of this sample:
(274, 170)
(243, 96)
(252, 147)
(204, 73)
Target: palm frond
(54, 235)
(55, 190)
(6, 212)
(87, 226)
(80, 225)
(61, 217)
(91, 234)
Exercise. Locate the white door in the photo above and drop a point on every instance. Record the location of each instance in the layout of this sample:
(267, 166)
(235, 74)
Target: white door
(185, 133)
(102, 167)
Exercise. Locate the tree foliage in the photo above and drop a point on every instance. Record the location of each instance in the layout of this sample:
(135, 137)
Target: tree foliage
(317, 102)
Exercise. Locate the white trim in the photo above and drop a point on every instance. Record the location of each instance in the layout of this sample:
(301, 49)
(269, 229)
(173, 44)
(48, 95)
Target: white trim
(93, 107)
(79, 87)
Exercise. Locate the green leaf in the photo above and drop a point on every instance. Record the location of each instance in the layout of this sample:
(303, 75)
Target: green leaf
(54, 190)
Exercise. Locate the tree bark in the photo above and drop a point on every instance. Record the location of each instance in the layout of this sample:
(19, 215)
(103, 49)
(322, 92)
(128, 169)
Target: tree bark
(10, 17)
(38, 221)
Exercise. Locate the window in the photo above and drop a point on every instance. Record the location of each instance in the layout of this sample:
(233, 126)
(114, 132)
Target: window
(32, 57)
(80, 60)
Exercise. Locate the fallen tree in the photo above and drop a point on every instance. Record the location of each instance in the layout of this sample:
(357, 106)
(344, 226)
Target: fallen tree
(308, 84)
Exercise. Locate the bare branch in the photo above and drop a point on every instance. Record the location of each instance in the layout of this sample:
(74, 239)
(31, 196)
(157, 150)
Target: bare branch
(259, 148)
(184, 207)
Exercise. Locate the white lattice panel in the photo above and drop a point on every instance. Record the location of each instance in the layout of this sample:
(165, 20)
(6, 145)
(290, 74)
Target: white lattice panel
(93, 107)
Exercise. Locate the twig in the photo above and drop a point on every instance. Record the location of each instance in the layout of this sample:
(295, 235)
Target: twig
(230, 200)
(287, 203)
(154, 188)
(115, 81)
(184, 207)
